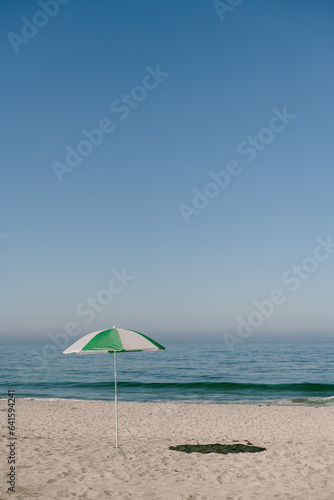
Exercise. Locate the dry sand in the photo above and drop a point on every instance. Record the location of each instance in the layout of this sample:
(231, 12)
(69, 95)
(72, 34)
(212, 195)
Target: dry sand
(65, 449)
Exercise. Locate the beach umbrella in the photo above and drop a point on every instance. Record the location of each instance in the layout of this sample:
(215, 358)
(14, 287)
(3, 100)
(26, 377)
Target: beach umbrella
(112, 341)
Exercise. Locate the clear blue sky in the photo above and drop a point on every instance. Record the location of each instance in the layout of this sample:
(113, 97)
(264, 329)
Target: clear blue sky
(120, 208)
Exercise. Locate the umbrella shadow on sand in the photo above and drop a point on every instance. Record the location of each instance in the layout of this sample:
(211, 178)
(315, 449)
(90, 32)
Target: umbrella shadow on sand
(223, 449)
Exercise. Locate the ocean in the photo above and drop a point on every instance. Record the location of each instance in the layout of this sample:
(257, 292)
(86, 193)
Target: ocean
(254, 373)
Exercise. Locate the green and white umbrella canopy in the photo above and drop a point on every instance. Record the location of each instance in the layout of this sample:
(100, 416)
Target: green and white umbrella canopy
(112, 341)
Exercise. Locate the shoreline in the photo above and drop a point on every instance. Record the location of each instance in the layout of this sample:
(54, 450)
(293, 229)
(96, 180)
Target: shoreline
(276, 402)
(66, 448)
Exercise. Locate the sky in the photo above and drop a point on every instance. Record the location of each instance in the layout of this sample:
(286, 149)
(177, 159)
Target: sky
(167, 167)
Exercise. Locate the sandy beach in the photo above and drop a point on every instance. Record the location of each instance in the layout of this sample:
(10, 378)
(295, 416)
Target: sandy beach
(65, 449)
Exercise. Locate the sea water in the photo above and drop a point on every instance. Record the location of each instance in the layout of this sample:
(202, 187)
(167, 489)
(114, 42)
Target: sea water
(254, 373)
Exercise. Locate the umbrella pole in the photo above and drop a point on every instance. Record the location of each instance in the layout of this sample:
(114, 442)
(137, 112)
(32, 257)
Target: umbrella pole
(116, 415)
